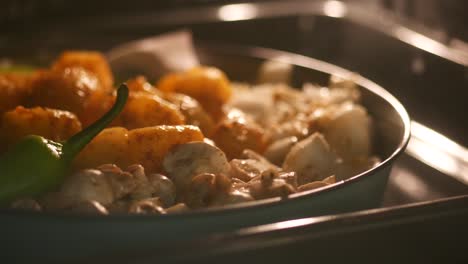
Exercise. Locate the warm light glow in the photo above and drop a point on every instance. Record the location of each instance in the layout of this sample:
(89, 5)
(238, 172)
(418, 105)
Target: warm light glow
(237, 12)
(334, 9)
(410, 184)
(438, 152)
(419, 40)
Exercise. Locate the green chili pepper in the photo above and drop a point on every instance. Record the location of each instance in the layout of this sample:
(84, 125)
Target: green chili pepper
(36, 164)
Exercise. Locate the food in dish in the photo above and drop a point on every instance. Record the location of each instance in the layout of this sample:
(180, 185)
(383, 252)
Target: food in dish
(191, 140)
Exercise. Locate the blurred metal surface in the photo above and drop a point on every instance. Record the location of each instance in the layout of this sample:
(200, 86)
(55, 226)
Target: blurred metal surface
(420, 233)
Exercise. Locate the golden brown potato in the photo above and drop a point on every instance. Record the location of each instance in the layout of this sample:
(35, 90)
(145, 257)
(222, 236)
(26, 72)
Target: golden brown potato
(140, 84)
(14, 88)
(92, 61)
(50, 123)
(108, 147)
(68, 89)
(208, 85)
(147, 146)
(193, 112)
(236, 133)
(96, 106)
(144, 110)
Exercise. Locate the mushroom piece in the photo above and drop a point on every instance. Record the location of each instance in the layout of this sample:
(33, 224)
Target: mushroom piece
(232, 197)
(80, 187)
(349, 133)
(122, 183)
(251, 167)
(311, 159)
(278, 150)
(163, 188)
(142, 188)
(185, 161)
(204, 189)
(89, 207)
(147, 206)
(269, 185)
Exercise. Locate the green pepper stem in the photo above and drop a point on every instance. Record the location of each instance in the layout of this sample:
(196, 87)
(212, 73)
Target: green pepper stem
(76, 143)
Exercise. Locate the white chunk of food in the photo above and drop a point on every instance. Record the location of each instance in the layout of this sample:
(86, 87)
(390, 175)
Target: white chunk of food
(349, 133)
(277, 151)
(311, 159)
(185, 161)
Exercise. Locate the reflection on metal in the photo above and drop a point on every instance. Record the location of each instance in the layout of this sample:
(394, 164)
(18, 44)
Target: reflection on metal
(285, 224)
(412, 187)
(418, 40)
(438, 152)
(335, 9)
(237, 12)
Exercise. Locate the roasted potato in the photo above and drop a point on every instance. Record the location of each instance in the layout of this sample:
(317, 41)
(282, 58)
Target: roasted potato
(14, 89)
(97, 105)
(147, 146)
(238, 132)
(68, 89)
(140, 84)
(52, 124)
(208, 85)
(144, 110)
(193, 112)
(92, 61)
(109, 146)
(141, 110)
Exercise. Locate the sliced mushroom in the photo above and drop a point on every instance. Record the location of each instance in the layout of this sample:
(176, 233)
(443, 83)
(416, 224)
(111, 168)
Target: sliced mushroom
(246, 169)
(252, 166)
(278, 150)
(163, 188)
(289, 177)
(89, 207)
(142, 188)
(311, 159)
(122, 183)
(80, 187)
(185, 161)
(204, 188)
(268, 185)
(147, 206)
(232, 197)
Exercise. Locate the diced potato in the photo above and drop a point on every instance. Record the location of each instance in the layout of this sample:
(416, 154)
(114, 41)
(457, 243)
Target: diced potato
(193, 112)
(144, 110)
(14, 89)
(147, 146)
(50, 123)
(108, 147)
(97, 105)
(208, 85)
(140, 84)
(92, 61)
(68, 89)
(236, 133)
